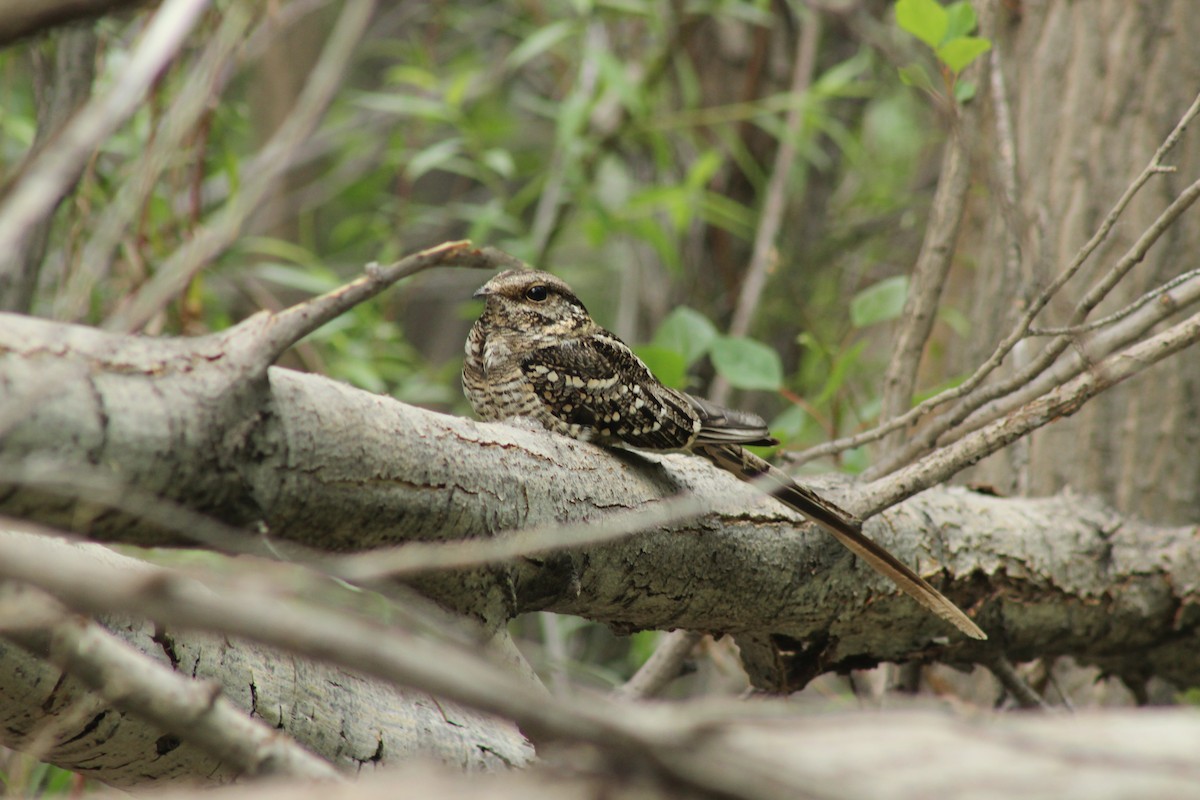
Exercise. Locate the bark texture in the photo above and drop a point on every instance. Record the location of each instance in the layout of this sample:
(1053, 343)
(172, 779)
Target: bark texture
(318, 463)
(896, 755)
(355, 723)
(1094, 89)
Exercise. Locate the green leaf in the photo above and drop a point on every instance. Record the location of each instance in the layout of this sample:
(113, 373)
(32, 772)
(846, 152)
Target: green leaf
(539, 42)
(687, 332)
(964, 91)
(432, 157)
(703, 169)
(924, 19)
(880, 302)
(747, 364)
(960, 19)
(955, 319)
(958, 53)
(915, 75)
(792, 424)
(667, 365)
(501, 162)
(406, 105)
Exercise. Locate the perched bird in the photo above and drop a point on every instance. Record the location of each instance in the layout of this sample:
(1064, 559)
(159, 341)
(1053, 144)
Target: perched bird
(535, 352)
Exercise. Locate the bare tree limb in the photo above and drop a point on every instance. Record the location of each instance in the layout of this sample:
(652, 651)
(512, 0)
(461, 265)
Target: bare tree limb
(47, 177)
(929, 273)
(23, 18)
(977, 378)
(775, 201)
(1060, 402)
(305, 460)
(909, 753)
(190, 710)
(272, 162)
(353, 722)
(943, 426)
(698, 746)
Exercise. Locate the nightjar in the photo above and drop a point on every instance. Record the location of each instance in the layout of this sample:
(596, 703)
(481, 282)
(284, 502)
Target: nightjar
(535, 352)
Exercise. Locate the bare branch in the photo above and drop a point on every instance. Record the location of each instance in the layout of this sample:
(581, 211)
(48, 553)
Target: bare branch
(1117, 316)
(47, 177)
(338, 714)
(913, 752)
(1060, 402)
(945, 422)
(1123, 333)
(929, 273)
(204, 82)
(1019, 330)
(272, 162)
(292, 324)
(663, 666)
(195, 712)
(775, 201)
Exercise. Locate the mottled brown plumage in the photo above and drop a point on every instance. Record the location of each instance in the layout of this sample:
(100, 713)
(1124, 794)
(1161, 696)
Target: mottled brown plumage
(535, 352)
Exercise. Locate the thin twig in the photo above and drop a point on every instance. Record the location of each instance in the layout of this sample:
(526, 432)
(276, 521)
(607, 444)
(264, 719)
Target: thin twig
(294, 323)
(929, 273)
(775, 202)
(56, 168)
(1081, 357)
(1117, 316)
(204, 82)
(663, 666)
(268, 167)
(941, 429)
(1021, 328)
(1062, 401)
(1020, 689)
(415, 558)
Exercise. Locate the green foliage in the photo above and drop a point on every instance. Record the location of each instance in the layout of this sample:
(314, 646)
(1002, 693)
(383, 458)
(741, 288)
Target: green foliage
(880, 302)
(600, 139)
(747, 364)
(687, 332)
(25, 777)
(946, 30)
(686, 335)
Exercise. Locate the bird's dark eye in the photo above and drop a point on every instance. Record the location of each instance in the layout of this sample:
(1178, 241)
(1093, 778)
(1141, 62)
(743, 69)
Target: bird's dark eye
(537, 293)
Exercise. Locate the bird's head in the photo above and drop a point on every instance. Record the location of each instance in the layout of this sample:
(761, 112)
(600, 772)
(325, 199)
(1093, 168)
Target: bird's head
(533, 301)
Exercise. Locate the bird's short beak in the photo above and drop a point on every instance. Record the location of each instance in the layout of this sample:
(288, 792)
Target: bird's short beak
(481, 292)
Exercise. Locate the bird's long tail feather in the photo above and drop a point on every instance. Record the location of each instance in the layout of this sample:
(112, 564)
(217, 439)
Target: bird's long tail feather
(844, 526)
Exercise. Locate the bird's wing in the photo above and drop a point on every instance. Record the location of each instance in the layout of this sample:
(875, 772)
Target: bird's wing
(602, 392)
(720, 425)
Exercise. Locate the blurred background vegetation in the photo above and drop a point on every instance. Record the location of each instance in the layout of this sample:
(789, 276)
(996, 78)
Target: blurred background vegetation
(626, 145)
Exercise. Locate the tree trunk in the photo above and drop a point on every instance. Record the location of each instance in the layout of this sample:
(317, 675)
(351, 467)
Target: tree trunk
(1093, 90)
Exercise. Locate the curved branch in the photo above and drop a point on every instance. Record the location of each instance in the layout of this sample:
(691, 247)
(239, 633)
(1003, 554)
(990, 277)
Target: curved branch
(316, 463)
(337, 714)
